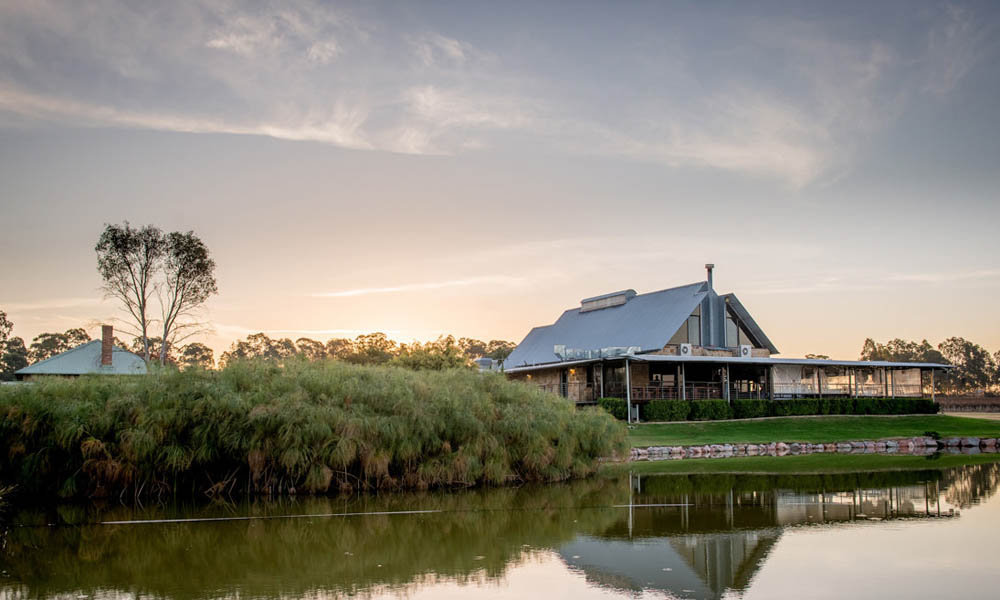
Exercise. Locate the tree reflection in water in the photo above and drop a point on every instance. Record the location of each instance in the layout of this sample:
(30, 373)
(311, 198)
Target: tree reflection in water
(705, 533)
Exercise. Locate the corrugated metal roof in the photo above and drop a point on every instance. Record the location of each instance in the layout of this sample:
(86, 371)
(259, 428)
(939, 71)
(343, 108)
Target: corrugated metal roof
(86, 359)
(733, 360)
(647, 321)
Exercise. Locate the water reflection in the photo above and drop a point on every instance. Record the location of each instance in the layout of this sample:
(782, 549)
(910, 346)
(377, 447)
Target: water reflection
(697, 536)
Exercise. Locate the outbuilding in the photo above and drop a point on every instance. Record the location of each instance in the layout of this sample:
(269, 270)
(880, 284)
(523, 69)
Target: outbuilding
(98, 357)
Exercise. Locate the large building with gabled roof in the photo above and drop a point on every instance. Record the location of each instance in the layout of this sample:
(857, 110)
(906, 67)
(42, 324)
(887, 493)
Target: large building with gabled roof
(689, 342)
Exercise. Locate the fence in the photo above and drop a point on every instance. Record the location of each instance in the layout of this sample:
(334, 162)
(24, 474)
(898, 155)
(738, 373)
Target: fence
(693, 390)
(873, 390)
(586, 393)
(969, 403)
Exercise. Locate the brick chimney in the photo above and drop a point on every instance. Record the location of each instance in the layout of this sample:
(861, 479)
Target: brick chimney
(107, 342)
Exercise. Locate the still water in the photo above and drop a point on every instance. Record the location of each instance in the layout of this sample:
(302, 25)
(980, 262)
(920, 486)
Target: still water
(915, 534)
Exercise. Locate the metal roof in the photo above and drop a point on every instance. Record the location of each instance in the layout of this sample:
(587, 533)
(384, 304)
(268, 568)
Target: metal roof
(733, 360)
(86, 359)
(646, 321)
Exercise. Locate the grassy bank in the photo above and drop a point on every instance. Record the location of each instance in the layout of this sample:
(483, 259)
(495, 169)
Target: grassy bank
(807, 429)
(304, 427)
(804, 464)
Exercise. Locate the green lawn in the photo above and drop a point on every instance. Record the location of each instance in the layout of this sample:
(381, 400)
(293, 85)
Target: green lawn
(807, 429)
(805, 464)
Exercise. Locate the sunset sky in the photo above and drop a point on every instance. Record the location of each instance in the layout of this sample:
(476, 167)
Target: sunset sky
(423, 168)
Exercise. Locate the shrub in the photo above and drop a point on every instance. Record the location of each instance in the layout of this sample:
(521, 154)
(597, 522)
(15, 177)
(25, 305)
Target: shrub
(666, 410)
(749, 409)
(311, 427)
(836, 406)
(796, 406)
(709, 410)
(616, 407)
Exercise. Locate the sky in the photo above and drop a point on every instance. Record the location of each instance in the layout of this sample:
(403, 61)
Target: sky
(476, 168)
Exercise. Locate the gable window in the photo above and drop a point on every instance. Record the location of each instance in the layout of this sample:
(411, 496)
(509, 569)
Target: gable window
(694, 330)
(732, 332)
(736, 335)
(690, 331)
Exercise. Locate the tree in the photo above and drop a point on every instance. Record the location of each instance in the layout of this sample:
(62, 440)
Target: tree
(196, 356)
(339, 348)
(499, 349)
(442, 353)
(974, 368)
(155, 347)
(817, 356)
(13, 357)
(373, 349)
(472, 347)
(47, 345)
(996, 372)
(128, 259)
(310, 349)
(899, 350)
(5, 327)
(259, 346)
(76, 337)
(188, 281)
(13, 354)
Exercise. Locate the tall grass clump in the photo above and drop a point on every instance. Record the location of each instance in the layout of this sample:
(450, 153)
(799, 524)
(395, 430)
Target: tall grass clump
(257, 427)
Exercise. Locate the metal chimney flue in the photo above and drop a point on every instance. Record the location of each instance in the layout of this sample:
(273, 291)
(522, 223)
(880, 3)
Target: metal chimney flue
(709, 267)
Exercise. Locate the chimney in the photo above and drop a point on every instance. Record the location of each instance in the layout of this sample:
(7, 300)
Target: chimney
(709, 267)
(107, 342)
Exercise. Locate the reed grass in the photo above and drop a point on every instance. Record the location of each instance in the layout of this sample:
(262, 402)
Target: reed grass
(302, 427)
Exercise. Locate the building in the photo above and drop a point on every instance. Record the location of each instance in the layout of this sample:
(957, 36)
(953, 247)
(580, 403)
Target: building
(99, 357)
(689, 342)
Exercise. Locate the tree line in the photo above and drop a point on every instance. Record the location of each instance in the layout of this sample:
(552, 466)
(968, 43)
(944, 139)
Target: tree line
(370, 349)
(976, 370)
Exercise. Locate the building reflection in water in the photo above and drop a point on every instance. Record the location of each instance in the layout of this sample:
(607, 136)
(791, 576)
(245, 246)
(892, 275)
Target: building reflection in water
(691, 536)
(701, 544)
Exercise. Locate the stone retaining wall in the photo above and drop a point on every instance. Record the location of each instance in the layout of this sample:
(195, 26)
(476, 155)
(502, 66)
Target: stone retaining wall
(914, 446)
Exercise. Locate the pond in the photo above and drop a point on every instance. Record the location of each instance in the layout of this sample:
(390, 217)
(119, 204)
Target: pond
(917, 533)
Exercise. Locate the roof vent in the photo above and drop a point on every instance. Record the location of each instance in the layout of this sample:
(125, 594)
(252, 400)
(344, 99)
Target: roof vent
(606, 300)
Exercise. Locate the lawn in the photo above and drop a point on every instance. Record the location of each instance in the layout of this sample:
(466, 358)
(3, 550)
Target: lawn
(805, 464)
(807, 429)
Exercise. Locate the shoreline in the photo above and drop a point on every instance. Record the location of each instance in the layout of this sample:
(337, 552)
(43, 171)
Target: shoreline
(907, 446)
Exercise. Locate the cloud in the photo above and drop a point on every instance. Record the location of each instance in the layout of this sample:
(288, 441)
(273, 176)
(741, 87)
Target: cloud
(299, 29)
(488, 280)
(48, 305)
(341, 125)
(435, 49)
(869, 281)
(954, 44)
(243, 331)
(947, 277)
(438, 120)
(307, 71)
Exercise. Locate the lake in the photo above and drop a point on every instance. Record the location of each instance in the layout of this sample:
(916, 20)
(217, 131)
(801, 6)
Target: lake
(916, 533)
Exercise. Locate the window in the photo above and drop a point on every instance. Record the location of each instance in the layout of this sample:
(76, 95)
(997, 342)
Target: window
(694, 330)
(690, 331)
(732, 332)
